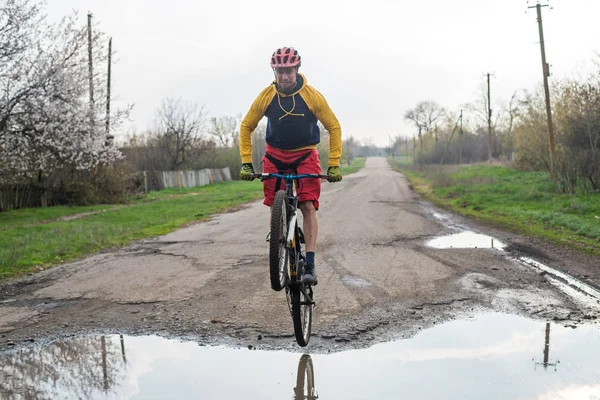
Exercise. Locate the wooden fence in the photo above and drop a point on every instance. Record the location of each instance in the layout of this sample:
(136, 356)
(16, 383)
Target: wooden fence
(22, 196)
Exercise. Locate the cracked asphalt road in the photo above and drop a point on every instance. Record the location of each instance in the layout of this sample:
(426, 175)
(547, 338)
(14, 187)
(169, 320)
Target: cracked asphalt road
(378, 280)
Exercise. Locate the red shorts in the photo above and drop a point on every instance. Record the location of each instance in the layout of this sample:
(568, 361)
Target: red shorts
(308, 189)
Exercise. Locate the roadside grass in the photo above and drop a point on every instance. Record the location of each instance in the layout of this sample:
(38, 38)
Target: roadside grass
(37, 238)
(25, 248)
(402, 160)
(356, 164)
(30, 216)
(527, 202)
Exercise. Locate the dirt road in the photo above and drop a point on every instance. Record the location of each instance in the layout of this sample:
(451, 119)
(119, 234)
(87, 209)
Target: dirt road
(378, 277)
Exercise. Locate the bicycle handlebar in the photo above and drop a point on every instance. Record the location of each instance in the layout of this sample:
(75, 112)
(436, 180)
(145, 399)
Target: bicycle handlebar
(288, 176)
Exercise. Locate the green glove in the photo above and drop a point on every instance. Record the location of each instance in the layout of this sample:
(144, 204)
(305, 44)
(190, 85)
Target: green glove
(247, 172)
(334, 173)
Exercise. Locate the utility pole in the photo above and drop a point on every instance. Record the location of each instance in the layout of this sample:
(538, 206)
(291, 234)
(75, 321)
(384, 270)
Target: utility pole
(489, 121)
(109, 137)
(104, 362)
(450, 141)
(91, 71)
(123, 349)
(546, 72)
(547, 345)
(436, 139)
(420, 145)
(461, 138)
(546, 351)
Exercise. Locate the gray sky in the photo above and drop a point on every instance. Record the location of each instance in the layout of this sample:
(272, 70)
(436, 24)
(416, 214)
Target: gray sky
(395, 52)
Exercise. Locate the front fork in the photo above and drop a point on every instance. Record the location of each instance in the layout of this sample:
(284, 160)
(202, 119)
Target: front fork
(294, 241)
(297, 260)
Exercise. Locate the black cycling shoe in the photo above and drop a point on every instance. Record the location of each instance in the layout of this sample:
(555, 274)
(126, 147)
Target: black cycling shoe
(309, 277)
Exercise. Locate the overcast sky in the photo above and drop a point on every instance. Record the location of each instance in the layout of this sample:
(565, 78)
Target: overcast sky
(372, 60)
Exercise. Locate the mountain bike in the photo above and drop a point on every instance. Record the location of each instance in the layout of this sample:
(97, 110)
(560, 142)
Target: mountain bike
(286, 254)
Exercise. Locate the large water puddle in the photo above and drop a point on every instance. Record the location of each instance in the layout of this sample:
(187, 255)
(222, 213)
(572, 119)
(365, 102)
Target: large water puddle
(492, 356)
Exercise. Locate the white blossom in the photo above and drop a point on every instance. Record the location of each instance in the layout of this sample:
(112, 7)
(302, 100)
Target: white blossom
(45, 110)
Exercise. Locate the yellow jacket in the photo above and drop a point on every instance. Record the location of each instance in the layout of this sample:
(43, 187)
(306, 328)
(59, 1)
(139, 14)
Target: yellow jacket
(292, 121)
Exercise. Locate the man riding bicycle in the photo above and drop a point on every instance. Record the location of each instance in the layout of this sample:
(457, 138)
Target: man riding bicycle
(292, 108)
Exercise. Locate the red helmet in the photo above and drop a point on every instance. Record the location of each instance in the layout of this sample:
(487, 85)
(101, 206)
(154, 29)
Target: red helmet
(285, 57)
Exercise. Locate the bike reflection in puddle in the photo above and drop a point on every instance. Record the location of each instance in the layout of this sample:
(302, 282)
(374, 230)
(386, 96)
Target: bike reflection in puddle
(305, 380)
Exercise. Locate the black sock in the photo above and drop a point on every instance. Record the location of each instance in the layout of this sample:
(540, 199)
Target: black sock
(310, 257)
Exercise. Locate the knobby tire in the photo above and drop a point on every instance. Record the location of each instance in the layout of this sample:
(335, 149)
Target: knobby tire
(301, 308)
(278, 252)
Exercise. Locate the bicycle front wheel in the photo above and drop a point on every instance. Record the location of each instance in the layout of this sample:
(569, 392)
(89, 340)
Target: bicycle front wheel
(301, 304)
(278, 251)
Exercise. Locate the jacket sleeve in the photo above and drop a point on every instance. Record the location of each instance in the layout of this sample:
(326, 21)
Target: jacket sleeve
(324, 114)
(250, 122)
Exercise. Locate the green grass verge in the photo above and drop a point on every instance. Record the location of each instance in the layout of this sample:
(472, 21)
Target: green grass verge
(30, 216)
(356, 164)
(526, 202)
(33, 244)
(401, 160)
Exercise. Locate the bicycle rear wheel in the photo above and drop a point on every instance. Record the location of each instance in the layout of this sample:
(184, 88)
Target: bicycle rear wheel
(278, 251)
(301, 306)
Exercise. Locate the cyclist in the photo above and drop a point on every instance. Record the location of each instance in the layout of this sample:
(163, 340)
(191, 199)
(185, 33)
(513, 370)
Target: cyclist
(292, 108)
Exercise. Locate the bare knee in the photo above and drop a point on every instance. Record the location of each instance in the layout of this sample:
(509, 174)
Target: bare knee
(307, 208)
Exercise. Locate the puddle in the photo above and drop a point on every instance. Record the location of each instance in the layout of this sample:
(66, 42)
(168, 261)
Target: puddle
(472, 240)
(492, 356)
(466, 240)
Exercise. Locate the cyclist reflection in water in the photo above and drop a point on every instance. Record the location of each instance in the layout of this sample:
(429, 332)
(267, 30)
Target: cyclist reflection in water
(305, 380)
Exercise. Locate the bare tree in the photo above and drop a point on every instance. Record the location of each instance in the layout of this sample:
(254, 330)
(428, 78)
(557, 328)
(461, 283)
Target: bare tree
(512, 110)
(180, 129)
(425, 114)
(502, 120)
(579, 122)
(479, 108)
(351, 148)
(224, 130)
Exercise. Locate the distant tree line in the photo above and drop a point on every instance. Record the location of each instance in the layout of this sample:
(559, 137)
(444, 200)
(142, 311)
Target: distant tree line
(519, 132)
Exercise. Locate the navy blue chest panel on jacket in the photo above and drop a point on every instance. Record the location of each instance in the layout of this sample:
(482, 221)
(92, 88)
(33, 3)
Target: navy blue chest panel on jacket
(292, 131)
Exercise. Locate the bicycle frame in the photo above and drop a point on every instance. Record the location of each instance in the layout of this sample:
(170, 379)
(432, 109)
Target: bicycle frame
(293, 209)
